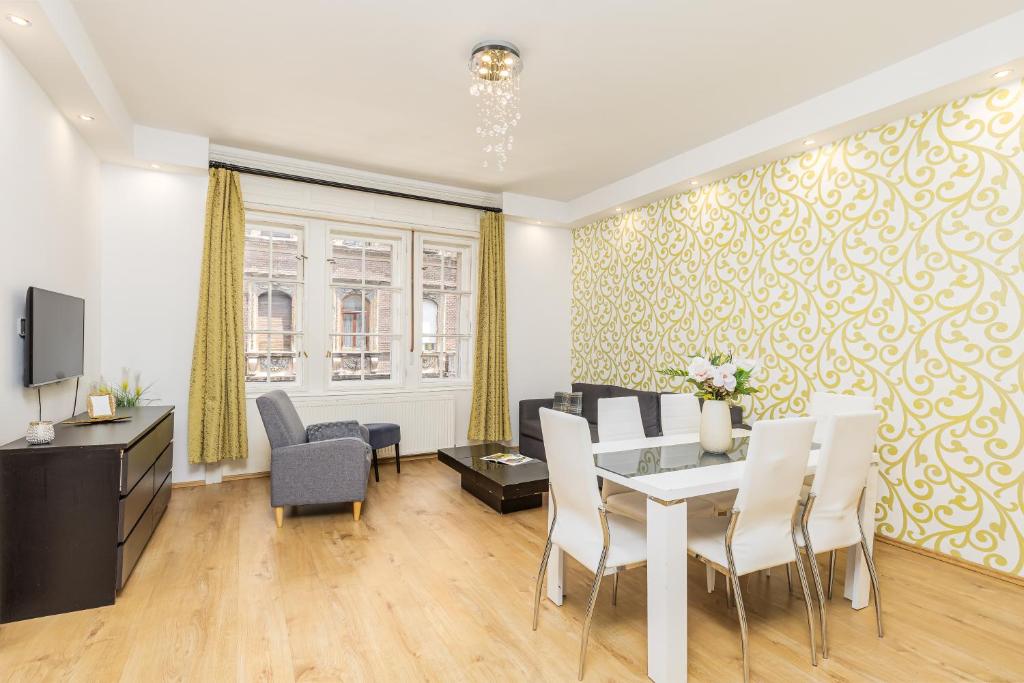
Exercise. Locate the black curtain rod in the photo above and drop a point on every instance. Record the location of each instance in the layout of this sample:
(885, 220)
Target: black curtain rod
(345, 186)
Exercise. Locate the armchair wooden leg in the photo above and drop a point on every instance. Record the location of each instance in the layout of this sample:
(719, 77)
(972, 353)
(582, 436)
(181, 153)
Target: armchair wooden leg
(357, 509)
(279, 516)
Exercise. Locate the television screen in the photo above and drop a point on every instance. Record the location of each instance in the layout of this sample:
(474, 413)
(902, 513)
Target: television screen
(54, 337)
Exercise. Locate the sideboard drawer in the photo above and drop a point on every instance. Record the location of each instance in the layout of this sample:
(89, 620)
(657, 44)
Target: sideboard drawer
(140, 457)
(163, 466)
(129, 552)
(131, 507)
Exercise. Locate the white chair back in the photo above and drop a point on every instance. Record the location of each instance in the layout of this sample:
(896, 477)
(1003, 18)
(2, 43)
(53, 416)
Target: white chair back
(680, 414)
(825, 404)
(573, 477)
(843, 465)
(769, 491)
(619, 419)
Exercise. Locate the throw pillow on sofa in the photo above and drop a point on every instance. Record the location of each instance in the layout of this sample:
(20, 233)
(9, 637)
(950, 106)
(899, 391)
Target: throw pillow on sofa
(568, 402)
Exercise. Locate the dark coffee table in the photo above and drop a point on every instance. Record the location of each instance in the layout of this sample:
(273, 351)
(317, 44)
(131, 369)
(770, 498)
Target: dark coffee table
(504, 488)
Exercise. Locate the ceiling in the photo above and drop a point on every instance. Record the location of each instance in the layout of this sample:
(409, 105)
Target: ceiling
(608, 87)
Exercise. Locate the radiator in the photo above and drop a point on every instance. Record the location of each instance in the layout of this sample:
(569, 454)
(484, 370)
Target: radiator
(427, 419)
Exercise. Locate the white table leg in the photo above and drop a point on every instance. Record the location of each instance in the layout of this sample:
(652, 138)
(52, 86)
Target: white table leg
(666, 591)
(857, 587)
(556, 568)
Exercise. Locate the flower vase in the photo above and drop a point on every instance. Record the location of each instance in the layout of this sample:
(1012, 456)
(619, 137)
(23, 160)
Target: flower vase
(716, 427)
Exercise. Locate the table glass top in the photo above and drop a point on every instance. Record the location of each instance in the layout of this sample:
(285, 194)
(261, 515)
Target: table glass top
(638, 462)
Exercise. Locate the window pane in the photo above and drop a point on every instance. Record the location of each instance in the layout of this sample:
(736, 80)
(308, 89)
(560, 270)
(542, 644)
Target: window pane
(452, 269)
(361, 261)
(285, 313)
(442, 313)
(256, 299)
(431, 366)
(431, 268)
(377, 365)
(256, 361)
(257, 252)
(443, 360)
(346, 366)
(286, 261)
(283, 365)
(378, 263)
(378, 316)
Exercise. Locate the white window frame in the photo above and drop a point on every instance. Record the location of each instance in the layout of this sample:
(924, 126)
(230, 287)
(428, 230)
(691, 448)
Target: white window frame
(314, 367)
(400, 300)
(467, 315)
(272, 221)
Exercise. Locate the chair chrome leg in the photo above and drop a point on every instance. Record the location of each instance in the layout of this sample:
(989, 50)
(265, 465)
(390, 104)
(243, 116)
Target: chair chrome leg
(734, 582)
(728, 593)
(807, 597)
(544, 559)
(789, 578)
(615, 589)
(812, 559)
(831, 572)
(593, 591)
(871, 570)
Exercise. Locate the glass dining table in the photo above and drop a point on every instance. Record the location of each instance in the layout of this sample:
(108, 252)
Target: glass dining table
(668, 470)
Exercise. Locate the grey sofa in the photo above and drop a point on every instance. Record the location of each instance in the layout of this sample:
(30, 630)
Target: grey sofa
(327, 462)
(531, 440)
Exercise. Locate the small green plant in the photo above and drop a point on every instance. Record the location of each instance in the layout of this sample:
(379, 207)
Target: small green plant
(717, 376)
(126, 394)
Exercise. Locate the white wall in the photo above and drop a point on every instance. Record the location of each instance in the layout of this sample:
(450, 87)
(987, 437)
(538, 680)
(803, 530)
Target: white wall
(49, 222)
(152, 248)
(538, 285)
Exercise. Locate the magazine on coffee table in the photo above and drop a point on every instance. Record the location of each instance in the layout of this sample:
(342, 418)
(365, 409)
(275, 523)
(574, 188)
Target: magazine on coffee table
(508, 458)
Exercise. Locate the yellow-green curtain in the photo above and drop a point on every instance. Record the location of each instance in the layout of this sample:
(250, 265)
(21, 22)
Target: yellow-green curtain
(216, 399)
(488, 418)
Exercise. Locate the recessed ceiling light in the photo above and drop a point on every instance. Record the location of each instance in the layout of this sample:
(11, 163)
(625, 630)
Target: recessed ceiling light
(18, 21)
(808, 142)
(87, 117)
(1002, 73)
(618, 209)
(693, 182)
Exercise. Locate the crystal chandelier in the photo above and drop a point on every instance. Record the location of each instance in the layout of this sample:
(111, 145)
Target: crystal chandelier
(494, 68)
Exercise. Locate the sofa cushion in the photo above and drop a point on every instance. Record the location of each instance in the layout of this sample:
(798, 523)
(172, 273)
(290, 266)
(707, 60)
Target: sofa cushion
(568, 402)
(591, 394)
(650, 407)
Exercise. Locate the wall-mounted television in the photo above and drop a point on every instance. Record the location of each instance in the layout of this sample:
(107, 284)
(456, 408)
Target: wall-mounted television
(54, 337)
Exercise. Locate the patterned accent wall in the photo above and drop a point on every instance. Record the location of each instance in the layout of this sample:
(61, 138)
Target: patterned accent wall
(888, 263)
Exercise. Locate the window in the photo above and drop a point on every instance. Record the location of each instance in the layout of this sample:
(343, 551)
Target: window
(332, 306)
(445, 285)
(273, 279)
(364, 331)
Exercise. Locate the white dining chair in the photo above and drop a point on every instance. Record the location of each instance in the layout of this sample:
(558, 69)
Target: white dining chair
(830, 518)
(618, 419)
(759, 532)
(603, 542)
(680, 414)
(824, 404)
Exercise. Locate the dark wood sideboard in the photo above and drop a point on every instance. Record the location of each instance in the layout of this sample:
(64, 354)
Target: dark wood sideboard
(76, 514)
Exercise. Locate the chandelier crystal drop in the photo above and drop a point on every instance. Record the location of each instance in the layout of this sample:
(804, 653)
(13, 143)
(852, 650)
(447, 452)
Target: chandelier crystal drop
(494, 69)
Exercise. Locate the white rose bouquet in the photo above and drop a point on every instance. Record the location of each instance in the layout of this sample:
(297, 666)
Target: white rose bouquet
(717, 376)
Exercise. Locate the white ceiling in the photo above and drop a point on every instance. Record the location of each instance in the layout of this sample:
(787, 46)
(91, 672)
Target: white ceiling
(609, 87)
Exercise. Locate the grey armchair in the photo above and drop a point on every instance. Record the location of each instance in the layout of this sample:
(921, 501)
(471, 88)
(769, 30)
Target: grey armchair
(327, 462)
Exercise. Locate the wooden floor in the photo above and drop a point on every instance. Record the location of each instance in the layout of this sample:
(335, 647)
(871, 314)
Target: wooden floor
(432, 585)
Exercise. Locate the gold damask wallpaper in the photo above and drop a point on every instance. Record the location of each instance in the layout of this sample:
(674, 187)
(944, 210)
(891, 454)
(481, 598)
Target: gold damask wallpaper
(888, 263)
